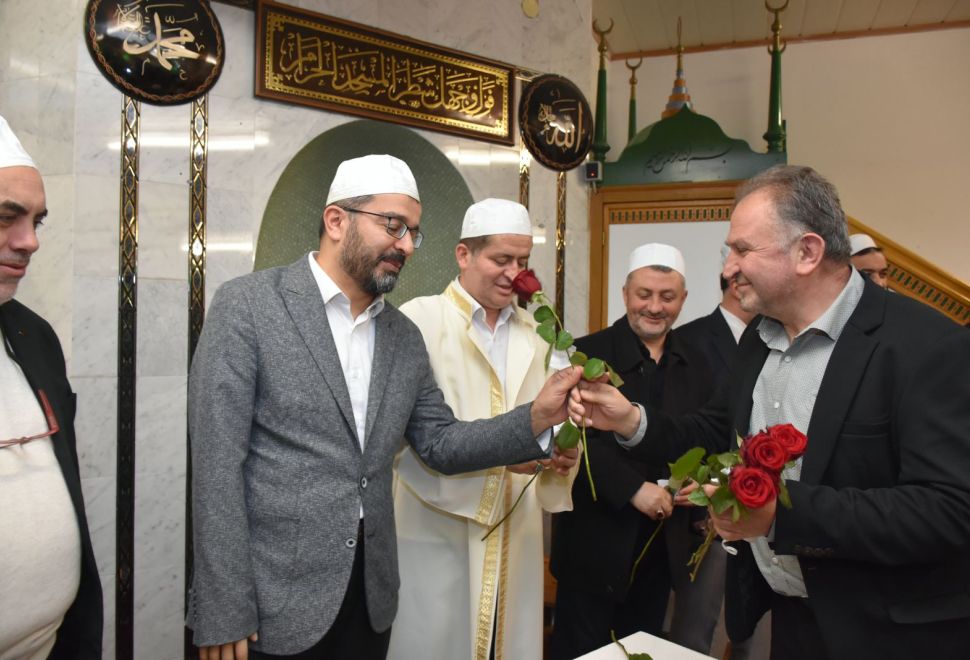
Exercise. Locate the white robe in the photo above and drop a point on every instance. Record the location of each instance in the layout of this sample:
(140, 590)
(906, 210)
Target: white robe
(454, 586)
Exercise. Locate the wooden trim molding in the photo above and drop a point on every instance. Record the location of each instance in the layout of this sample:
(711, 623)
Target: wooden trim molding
(676, 202)
(756, 43)
(917, 278)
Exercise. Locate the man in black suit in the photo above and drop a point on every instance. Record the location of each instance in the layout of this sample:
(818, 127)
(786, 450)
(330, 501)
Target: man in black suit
(50, 597)
(596, 545)
(871, 561)
(718, 333)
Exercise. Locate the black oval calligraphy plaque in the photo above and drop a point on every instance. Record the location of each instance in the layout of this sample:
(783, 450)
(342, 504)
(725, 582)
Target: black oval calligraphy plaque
(556, 122)
(163, 52)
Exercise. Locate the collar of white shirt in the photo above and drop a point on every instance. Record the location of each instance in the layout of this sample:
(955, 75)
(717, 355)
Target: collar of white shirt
(329, 290)
(478, 312)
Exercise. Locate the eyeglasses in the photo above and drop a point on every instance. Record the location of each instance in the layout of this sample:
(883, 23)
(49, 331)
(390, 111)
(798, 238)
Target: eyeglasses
(51, 425)
(394, 226)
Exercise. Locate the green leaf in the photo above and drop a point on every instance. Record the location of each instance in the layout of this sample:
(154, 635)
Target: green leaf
(736, 512)
(687, 463)
(698, 497)
(722, 499)
(783, 495)
(543, 314)
(739, 439)
(547, 330)
(594, 368)
(728, 459)
(568, 436)
(615, 379)
(703, 473)
(578, 359)
(564, 340)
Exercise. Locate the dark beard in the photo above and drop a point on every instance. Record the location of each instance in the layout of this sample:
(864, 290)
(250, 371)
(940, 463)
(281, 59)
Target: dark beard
(355, 261)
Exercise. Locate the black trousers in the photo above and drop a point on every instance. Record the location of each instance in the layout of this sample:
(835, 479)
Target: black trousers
(794, 630)
(584, 619)
(351, 636)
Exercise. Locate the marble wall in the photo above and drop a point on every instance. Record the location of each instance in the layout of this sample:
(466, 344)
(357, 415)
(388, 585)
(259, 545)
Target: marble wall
(69, 117)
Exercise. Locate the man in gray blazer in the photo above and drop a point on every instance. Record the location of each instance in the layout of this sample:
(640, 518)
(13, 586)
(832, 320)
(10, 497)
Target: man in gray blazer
(302, 386)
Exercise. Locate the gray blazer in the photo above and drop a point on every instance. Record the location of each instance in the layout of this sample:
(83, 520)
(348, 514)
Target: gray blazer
(278, 474)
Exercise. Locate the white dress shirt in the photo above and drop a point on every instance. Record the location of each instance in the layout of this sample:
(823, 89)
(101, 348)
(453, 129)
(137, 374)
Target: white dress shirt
(354, 339)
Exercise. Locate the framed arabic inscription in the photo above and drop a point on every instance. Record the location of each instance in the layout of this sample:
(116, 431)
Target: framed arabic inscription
(312, 59)
(163, 52)
(556, 122)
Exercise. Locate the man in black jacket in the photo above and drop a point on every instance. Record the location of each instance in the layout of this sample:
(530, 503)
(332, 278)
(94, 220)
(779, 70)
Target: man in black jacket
(51, 594)
(596, 545)
(871, 560)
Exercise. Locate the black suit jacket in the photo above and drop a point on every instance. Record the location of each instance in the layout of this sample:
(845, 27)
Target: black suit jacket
(880, 520)
(37, 350)
(712, 335)
(595, 544)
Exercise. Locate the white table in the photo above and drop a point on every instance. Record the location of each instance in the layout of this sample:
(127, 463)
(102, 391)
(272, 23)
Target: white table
(641, 642)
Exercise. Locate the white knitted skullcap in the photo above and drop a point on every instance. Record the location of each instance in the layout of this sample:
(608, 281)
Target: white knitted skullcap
(12, 153)
(496, 216)
(657, 254)
(372, 175)
(860, 242)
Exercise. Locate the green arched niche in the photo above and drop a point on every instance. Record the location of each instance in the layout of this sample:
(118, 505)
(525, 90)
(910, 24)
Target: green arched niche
(291, 222)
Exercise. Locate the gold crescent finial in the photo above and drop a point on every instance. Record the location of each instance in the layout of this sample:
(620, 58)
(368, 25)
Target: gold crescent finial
(779, 9)
(600, 32)
(633, 68)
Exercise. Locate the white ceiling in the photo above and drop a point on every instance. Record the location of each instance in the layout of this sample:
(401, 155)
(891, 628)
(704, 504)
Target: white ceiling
(649, 27)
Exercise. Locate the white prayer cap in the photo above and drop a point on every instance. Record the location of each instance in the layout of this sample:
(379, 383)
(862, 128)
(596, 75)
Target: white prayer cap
(372, 175)
(496, 216)
(860, 242)
(12, 153)
(657, 254)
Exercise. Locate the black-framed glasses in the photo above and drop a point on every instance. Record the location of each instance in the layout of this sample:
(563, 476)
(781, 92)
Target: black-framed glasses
(52, 426)
(394, 226)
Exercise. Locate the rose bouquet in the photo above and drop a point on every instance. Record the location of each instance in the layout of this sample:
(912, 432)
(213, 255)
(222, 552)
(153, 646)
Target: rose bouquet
(744, 479)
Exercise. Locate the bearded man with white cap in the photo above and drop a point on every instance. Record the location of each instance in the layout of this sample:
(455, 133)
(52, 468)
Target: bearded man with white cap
(50, 598)
(868, 259)
(302, 386)
(595, 546)
(462, 597)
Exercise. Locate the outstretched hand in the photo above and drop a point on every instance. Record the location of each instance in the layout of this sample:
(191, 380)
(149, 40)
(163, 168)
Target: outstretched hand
(602, 406)
(549, 407)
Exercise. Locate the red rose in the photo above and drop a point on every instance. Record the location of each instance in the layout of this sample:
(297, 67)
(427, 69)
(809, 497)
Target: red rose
(765, 452)
(793, 440)
(753, 487)
(525, 284)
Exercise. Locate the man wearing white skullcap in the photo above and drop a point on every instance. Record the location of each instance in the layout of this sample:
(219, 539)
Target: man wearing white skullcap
(302, 386)
(487, 358)
(50, 597)
(595, 546)
(868, 259)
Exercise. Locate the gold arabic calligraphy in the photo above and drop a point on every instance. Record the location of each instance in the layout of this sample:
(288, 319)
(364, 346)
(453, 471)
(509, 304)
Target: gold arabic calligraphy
(559, 129)
(406, 80)
(141, 22)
